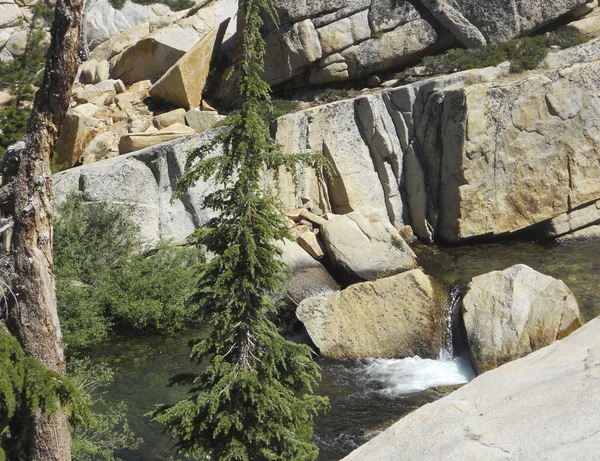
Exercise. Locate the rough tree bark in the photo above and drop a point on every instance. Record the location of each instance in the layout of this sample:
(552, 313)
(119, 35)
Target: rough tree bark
(33, 318)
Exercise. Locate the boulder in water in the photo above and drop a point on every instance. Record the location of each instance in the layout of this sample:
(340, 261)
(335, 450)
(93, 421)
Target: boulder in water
(509, 314)
(390, 317)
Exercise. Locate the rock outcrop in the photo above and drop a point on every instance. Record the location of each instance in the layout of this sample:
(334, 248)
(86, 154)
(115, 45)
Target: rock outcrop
(324, 41)
(390, 317)
(512, 313)
(182, 85)
(547, 406)
(424, 154)
(145, 181)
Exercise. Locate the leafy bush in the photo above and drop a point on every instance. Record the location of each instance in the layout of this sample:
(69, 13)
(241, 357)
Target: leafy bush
(175, 5)
(332, 95)
(524, 54)
(283, 107)
(104, 279)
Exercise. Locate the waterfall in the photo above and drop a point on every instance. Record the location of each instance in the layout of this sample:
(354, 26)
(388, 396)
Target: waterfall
(448, 310)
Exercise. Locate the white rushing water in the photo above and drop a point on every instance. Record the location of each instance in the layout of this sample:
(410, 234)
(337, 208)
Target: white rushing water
(406, 376)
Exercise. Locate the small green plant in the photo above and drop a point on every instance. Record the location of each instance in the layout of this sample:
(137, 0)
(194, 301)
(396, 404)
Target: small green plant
(283, 107)
(332, 95)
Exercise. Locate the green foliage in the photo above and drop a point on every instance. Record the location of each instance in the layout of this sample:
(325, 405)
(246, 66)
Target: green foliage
(103, 277)
(107, 431)
(26, 386)
(283, 107)
(19, 77)
(524, 53)
(332, 95)
(175, 5)
(254, 399)
(13, 123)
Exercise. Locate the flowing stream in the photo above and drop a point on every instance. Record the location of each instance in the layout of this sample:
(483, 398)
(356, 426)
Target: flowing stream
(366, 396)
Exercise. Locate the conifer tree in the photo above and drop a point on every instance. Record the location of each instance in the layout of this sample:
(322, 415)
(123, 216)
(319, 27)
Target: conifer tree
(254, 400)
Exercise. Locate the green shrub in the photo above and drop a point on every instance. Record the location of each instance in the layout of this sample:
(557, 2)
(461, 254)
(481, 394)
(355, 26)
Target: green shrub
(524, 54)
(332, 95)
(283, 107)
(104, 279)
(175, 5)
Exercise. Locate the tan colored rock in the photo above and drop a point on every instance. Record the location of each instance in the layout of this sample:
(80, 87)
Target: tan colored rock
(152, 56)
(77, 132)
(10, 14)
(390, 317)
(588, 25)
(17, 43)
(136, 141)
(6, 97)
(169, 118)
(182, 85)
(308, 241)
(202, 120)
(119, 43)
(313, 218)
(87, 71)
(512, 313)
(364, 250)
(102, 146)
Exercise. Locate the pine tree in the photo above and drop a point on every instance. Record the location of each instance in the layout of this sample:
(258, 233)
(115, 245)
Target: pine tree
(254, 400)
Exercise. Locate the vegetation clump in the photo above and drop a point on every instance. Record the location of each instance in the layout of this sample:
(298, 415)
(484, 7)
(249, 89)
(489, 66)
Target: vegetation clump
(253, 400)
(103, 277)
(20, 76)
(525, 53)
(332, 95)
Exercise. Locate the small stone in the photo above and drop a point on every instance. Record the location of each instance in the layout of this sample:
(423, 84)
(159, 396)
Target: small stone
(373, 81)
(309, 242)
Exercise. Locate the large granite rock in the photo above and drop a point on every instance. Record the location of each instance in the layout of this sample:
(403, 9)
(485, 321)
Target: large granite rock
(477, 22)
(182, 85)
(152, 56)
(364, 250)
(10, 14)
(145, 180)
(137, 141)
(544, 406)
(308, 277)
(77, 132)
(390, 317)
(509, 314)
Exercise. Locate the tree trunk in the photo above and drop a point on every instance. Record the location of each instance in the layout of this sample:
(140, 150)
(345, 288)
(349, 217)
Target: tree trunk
(34, 317)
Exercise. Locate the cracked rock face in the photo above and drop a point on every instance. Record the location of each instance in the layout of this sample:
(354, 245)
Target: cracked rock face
(474, 154)
(545, 406)
(512, 313)
(368, 320)
(331, 41)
